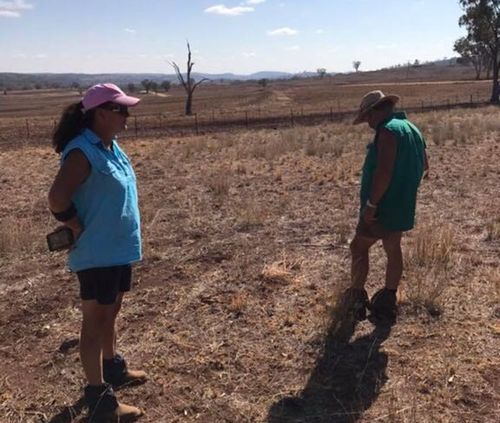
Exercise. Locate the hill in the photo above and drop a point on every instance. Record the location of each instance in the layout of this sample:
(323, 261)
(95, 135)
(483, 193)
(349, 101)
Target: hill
(442, 70)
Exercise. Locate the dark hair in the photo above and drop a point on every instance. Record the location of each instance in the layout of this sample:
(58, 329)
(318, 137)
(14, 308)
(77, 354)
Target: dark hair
(73, 121)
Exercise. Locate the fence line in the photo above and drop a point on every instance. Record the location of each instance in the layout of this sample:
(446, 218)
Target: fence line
(163, 124)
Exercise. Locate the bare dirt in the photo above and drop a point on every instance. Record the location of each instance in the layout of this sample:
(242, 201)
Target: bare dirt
(246, 248)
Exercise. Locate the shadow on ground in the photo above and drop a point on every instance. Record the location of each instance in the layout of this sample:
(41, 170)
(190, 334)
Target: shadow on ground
(346, 379)
(70, 413)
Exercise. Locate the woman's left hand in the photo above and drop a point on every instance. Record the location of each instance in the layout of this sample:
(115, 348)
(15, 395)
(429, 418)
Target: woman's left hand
(369, 215)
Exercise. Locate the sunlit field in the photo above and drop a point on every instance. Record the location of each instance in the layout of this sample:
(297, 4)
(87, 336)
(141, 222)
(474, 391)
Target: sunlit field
(246, 249)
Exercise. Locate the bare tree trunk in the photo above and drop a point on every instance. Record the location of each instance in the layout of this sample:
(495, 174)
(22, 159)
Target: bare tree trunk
(495, 91)
(189, 104)
(189, 84)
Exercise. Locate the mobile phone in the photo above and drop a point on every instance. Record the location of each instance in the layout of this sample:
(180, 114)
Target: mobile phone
(61, 239)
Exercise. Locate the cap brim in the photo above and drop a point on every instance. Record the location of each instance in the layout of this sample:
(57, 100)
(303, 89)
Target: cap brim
(126, 100)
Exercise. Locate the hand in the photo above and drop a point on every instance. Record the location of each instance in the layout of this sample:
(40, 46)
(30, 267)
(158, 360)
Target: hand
(369, 215)
(75, 226)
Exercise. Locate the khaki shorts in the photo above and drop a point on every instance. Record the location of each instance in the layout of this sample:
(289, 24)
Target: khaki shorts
(373, 230)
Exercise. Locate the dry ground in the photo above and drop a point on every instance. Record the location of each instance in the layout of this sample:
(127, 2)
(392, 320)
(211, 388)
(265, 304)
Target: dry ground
(31, 115)
(309, 94)
(246, 246)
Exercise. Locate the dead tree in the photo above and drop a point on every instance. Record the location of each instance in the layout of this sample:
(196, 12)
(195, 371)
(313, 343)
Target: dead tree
(189, 83)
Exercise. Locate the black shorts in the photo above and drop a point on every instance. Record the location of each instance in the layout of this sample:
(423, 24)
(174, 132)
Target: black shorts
(104, 283)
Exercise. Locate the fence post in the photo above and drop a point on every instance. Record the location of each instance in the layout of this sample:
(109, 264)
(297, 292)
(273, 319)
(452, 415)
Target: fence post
(27, 130)
(291, 117)
(196, 124)
(135, 126)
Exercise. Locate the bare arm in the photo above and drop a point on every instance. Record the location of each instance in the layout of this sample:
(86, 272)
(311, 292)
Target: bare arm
(71, 175)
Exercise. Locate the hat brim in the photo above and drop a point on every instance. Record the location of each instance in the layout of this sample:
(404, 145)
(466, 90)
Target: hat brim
(360, 118)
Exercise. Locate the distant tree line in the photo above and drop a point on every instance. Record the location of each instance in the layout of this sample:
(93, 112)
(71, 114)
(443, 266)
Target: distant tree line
(77, 82)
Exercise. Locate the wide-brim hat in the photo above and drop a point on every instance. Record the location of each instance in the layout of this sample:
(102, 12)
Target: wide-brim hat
(370, 100)
(103, 93)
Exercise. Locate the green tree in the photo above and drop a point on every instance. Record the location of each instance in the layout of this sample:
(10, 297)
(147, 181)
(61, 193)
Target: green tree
(356, 64)
(470, 52)
(321, 72)
(131, 87)
(263, 82)
(481, 18)
(146, 83)
(165, 85)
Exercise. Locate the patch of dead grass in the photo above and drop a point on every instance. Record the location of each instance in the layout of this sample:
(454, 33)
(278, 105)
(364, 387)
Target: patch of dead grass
(428, 261)
(281, 271)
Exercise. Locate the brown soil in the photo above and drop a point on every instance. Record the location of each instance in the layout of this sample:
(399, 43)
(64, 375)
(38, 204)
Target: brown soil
(246, 245)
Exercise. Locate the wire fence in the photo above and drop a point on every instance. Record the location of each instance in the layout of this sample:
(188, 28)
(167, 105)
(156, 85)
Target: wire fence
(40, 130)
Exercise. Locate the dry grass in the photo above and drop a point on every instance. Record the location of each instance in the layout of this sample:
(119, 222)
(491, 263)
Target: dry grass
(493, 230)
(429, 260)
(246, 248)
(281, 271)
(218, 182)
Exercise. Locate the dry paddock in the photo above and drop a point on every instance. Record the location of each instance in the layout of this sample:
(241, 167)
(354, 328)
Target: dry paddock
(246, 248)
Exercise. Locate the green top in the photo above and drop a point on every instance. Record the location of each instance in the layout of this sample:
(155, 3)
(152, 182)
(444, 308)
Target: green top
(396, 209)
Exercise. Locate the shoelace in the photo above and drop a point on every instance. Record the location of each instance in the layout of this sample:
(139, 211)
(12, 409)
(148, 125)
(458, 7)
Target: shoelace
(101, 396)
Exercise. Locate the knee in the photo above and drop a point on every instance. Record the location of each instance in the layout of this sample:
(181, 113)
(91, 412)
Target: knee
(393, 251)
(357, 249)
(98, 324)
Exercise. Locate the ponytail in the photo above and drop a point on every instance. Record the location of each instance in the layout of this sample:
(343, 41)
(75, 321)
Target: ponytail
(73, 121)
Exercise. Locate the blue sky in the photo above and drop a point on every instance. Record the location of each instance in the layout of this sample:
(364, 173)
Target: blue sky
(245, 36)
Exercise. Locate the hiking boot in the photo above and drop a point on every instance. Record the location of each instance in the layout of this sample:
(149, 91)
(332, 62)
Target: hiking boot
(383, 304)
(104, 407)
(116, 373)
(355, 301)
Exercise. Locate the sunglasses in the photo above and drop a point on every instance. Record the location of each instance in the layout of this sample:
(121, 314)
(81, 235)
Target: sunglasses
(117, 108)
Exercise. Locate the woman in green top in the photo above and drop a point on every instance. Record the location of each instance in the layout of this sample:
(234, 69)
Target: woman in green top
(394, 166)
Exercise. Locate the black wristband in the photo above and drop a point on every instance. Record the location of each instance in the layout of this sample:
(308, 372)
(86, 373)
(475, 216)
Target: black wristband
(65, 215)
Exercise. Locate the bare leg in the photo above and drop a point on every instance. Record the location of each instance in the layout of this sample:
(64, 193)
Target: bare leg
(360, 246)
(392, 247)
(95, 318)
(109, 330)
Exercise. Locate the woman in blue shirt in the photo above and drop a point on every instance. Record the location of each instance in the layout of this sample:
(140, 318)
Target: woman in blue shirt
(95, 195)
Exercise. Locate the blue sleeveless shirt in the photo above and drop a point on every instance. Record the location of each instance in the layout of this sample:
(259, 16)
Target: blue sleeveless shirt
(107, 205)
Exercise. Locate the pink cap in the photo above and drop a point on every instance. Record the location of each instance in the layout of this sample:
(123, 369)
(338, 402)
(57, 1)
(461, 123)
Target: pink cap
(102, 93)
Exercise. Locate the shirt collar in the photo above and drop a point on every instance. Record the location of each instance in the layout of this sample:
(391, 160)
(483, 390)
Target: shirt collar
(394, 115)
(92, 137)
